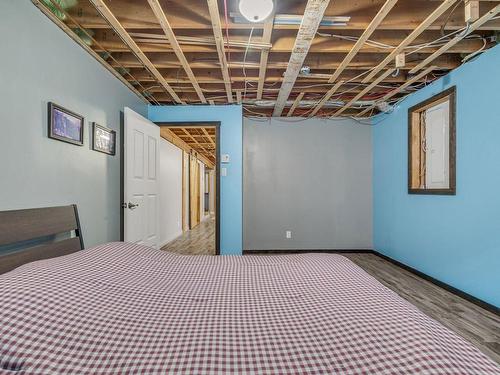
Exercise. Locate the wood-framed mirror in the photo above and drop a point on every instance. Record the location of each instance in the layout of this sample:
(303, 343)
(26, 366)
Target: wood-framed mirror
(432, 145)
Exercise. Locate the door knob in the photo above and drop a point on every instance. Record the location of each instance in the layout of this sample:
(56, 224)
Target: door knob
(132, 206)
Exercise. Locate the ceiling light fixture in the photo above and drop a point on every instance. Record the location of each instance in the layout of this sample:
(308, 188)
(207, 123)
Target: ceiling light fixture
(256, 10)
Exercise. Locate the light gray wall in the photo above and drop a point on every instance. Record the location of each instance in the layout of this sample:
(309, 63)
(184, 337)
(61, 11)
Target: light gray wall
(40, 63)
(312, 177)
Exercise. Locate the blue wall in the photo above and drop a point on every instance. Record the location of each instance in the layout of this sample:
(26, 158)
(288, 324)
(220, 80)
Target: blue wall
(231, 142)
(455, 239)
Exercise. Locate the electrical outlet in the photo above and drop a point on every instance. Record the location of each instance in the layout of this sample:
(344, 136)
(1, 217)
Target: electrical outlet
(288, 234)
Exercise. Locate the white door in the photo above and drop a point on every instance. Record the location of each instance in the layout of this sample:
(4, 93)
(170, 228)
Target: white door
(141, 180)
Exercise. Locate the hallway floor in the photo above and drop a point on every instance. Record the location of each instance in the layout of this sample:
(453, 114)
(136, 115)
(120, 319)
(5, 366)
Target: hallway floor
(198, 241)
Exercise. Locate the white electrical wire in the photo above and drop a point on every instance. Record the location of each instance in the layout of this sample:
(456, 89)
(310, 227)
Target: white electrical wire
(244, 63)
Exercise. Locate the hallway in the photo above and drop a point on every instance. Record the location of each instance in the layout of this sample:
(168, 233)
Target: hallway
(198, 241)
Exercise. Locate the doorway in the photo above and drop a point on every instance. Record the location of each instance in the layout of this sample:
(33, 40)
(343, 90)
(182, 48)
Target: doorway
(199, 142)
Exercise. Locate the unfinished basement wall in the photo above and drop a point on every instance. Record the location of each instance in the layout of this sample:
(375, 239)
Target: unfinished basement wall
(455, 239)
(311, 177)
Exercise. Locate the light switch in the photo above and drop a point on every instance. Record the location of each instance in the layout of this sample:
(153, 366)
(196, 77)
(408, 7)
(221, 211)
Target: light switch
(223, 172)
(224, 158)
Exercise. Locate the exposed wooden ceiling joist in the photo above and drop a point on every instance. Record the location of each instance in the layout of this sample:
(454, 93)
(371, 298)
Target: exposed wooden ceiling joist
(78, 40)
(327, 97)
(127, 39)
(208, 136)
(458, 38)
(266, 38)
(169, 33)
(173, 138)
(399, 89)
(200, 70)
(219, 42)
(365, 91)
(388, 5)
(295, 104)
(315, 9)
(407, 16)
(445, 5)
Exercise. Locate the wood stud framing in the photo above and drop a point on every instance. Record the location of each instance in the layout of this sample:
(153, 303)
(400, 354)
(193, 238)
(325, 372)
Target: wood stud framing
(365, 91)
(127, 39)
(445, 5)
(389, 4)
(162, 18)
(473, 27)
(313, 15)
(295, 104)
(169, 55)
(187, 140)
(219, 43)
(266, 38)
(399, 89)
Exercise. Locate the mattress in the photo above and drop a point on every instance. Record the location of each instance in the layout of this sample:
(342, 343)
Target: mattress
(128, 309)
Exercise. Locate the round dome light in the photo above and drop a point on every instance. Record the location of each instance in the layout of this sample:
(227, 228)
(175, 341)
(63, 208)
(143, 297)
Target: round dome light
(256, 10)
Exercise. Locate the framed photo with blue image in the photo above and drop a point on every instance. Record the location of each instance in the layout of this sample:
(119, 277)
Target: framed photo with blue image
(103, 139)
(65, 125)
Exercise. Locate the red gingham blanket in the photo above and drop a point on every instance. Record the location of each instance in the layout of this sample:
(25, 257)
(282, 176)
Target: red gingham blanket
(129, 309)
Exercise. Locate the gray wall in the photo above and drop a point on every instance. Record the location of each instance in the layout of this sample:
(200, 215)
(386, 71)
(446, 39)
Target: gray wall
(312, 177)
(40, 63)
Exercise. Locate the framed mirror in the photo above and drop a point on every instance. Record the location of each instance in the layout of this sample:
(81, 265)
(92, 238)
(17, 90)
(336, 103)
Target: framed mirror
(431, 145)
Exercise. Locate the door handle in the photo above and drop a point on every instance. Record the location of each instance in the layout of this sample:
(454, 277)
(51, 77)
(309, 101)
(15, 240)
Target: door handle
(132, 206)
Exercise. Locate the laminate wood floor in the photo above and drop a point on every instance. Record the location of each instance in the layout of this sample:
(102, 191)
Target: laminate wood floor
(477, 325)
(198, 241)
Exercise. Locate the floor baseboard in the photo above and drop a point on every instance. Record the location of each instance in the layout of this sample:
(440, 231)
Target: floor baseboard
(485, 305)
(302, 251)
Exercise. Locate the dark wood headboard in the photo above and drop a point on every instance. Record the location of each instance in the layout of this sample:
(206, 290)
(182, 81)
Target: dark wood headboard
(32, 235)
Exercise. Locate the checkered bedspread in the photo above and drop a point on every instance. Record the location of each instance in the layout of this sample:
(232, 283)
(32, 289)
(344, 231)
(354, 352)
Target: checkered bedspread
(128, 309)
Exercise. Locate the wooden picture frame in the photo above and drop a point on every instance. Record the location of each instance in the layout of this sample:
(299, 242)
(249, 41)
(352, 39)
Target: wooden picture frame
(99, 141)
(65, 125)
(413, 115)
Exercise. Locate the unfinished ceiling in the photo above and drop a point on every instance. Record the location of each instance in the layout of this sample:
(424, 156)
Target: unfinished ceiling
(311, 58)
(197, 139)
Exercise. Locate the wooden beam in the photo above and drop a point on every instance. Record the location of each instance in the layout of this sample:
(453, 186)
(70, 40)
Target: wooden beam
(266, 38)
(195, 141)
(315, 9)
(238, 96)
(169, 33)
(192, 40)
(445, 5)
(365, 91)
(295, 104)
(219, 43)
(170, 136)
(399, 89)
(326, 97)
(94, 54)
(473, 27)
(105, 12)
(208, 136)
(189, 15)
(382, 13)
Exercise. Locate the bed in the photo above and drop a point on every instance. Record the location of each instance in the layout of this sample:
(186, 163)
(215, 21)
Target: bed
(123, 308)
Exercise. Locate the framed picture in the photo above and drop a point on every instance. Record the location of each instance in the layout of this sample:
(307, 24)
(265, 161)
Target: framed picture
(65, 125)
(103, 139)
